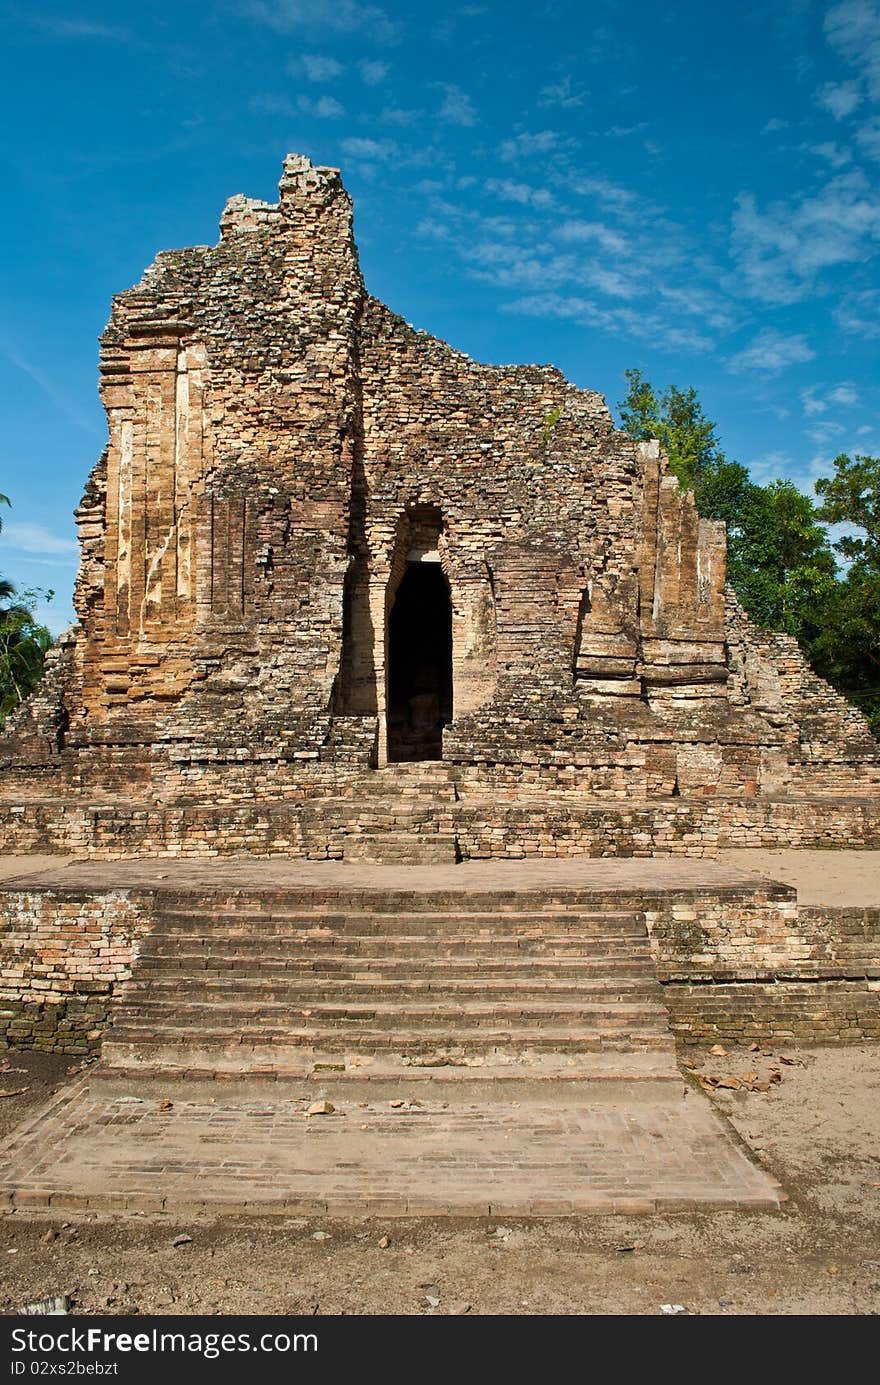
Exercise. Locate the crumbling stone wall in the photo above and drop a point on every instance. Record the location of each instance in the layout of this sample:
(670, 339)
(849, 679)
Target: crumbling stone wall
(760, 969)
(64, 960)
(281, 447)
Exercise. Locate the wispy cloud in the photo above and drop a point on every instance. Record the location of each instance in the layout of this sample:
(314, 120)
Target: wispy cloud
(34, 538)
(319, 68)
(457, 107)
(563, 94)
(615, 320)
(868, 137)
(781, 249)
(840, 396)
(576, 231)
(66, 406)
(840, 98)
(397, 115)
(772, 351)
(511, 191)
(859, 312)
(853, 30)
(372, 72)
(64, 27)
(370, 150)
(342, 16)
(526, 145)
(836, 155)
(322, 107)
(271, 103)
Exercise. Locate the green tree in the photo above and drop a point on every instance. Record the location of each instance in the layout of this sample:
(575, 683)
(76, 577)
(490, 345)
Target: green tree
(677, 420)
(846, 647)
(852, 496)
(780, 562)
(24, 643)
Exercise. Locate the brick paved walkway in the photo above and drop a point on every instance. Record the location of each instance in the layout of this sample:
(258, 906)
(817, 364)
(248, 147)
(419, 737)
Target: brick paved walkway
(106, 1143)
(246, 872)
(820, 877)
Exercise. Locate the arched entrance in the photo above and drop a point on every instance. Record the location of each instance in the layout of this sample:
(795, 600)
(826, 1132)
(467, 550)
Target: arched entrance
(419, 663)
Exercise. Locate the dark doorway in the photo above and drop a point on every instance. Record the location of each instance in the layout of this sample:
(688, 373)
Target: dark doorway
(419, 664)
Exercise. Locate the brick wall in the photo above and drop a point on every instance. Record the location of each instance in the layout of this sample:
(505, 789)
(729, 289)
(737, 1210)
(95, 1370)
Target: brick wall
(736, 965)
(64, 959)
(743, 971)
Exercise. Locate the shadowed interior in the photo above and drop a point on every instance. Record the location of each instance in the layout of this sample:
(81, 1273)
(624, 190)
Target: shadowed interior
(419, 664)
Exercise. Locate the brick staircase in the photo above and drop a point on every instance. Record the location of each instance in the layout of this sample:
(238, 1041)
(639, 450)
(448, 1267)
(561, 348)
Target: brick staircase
(285, 979)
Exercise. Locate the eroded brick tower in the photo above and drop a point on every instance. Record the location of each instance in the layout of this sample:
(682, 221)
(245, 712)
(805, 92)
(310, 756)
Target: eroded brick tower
(321, 544)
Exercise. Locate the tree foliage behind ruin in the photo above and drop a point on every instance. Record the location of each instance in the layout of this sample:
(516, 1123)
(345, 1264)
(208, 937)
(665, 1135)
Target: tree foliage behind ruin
(786, 570)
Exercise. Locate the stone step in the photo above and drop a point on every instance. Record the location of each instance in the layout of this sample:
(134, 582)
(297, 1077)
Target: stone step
(402, 948)
(299, 990)
(318, 899)
(250, 1014)
(145, 1041)
(264, 922)
(611, 970)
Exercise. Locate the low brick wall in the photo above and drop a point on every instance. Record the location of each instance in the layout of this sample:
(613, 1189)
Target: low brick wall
(64, 959)
(321, 828)
(812, 1012)
(737, 964)
(768, 971)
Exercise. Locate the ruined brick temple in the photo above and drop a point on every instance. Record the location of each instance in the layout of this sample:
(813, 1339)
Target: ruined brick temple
(345, 592)
(346, 595)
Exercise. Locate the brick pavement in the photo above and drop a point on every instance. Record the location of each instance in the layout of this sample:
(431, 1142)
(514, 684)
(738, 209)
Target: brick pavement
(244, 1147)
(852, 877)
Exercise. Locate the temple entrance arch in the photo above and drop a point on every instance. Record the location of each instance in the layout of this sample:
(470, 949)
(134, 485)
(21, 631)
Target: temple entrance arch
(417, 639)
(419, 665)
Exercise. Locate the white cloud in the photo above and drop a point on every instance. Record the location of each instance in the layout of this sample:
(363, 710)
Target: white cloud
(342, 16)
(621, 132)
(772, 351)
(370, 150)
(372, 72)
(396, 115)
(34, 538)
(825, 431)
(868, 137)
(853, 30)
(859, 313)
(840, 396)
(771, 466)
(319, 68)
(457, 107)
(526, 145)
(430, 229)
(269, 103)
(562, 94)
(323, 107)
(577, 231)
(510, 191)
(780, 250)
(612, 194)
(56, 26)
(832, 152)
(840, 98)
(616, 320)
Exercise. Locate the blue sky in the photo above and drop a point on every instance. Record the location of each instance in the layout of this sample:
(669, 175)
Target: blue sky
(687, 188)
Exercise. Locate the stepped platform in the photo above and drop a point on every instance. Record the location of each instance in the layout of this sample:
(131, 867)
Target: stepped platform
(115, 1144)
(494, 1036)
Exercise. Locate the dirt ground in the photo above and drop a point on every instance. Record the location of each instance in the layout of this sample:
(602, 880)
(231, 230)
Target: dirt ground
(817, 1129)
